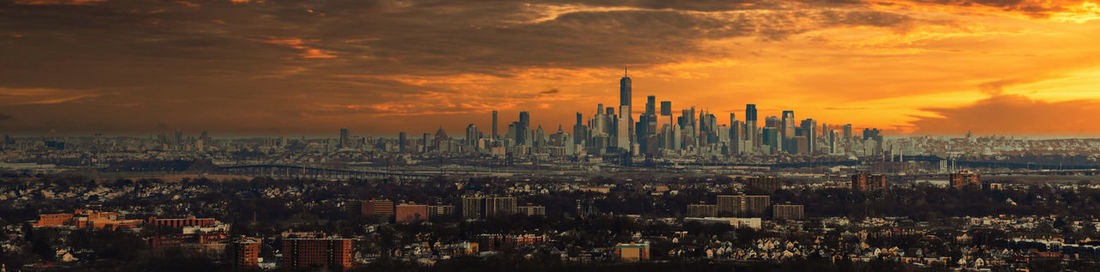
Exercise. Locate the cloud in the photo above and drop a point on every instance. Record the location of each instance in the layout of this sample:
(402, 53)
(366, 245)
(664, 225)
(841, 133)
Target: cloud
(1014, 115)
(309, 65)
(57, 2)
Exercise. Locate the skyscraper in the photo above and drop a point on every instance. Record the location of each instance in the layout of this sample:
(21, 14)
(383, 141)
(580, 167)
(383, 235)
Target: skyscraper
(809, 129)
(787, 127)
(750, 127)
(345, 140)
(651, 105)
(494, 125)
(472, 135)
(523, 128)
(624, 90)
(401, 142)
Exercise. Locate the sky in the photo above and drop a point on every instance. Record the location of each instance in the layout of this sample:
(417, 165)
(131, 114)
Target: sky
(238, 67)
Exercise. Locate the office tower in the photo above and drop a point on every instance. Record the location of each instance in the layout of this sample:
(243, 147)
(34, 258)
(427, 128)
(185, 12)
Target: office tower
(540, 138)
(472, 206)
(873, 134)
(846, 131)
(580, 133)
(626, 118)
(651, 105)
(494, 125)
(674, 134)
(743, 205)
(624, 90)
(666, 108)
(344, 138)
(472, 135)
(787, 127)
(522, 128)
(833, 148)
(750, 127)
(809, 130)
(299, 253)
(788, 212)
(401, 142)
(737, 136)
(623, 132)
(770, 137)
(424, 142)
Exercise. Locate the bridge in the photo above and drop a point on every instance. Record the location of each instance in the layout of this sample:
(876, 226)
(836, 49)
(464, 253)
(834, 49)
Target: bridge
(294, 171)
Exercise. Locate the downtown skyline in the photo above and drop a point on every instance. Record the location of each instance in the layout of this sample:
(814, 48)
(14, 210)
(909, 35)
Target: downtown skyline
(379, 67)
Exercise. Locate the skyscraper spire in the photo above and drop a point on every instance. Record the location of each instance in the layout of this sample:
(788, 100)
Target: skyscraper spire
(625, 71)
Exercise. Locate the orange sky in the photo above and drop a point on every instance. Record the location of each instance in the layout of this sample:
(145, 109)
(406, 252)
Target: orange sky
(1015, 67)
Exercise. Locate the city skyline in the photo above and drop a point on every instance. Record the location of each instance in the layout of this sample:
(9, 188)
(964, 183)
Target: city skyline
(379, 67)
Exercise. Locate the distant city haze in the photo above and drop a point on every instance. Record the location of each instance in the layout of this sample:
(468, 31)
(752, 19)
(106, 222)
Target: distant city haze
(380, 67)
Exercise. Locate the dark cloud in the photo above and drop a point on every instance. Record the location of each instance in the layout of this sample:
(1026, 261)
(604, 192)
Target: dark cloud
(276, 61)
(550, 91)
(1014, 115)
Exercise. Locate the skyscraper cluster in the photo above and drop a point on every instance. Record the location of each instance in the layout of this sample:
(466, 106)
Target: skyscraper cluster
(657, 132)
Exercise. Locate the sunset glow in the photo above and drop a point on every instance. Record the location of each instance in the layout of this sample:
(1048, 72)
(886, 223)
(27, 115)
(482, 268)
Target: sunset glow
(378, 67)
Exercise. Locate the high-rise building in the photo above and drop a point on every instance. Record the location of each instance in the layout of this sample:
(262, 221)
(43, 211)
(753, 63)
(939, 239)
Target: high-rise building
(531, 210)
(743, 205)
(624, 131)
(377, 207)
(865, 182)
(522, 129)
(500, 205)
(809, 129)
(299, 253)
(472, 206)
(345, 139)
(964, 178)
(472, 135)
(624, 90)
(246, 252)
(702, 210)
(411, 212)
(401, 142)
(788, 211)
(787, 127)
(750, 127)
(580, 132)
(495, 120)
(651, 105)
(763, 184)
(666, 108)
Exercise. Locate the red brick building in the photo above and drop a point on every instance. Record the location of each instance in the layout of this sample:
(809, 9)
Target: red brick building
(377, 207)
(411, 213)
(246, 252)
(316, 252)
(181, 222)
(963, 179)
(867, 182)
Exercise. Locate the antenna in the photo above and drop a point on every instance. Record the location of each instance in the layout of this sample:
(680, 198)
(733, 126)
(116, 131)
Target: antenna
(625, 71)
